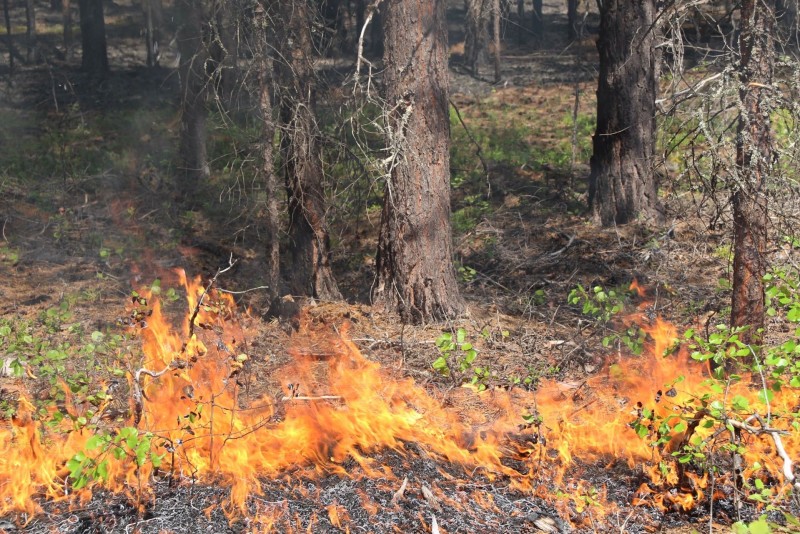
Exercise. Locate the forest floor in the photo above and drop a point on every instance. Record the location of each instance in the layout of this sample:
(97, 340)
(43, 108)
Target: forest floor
(87, 215)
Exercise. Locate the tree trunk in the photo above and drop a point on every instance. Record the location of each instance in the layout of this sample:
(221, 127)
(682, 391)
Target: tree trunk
(30, 32)
(572, 19)
(520, 21)
(496, 16)
(622, 183)
(153, 16)
(476, 33)
(301, 154)
(94, 57)
(755, 158)
(537, 22)
(415, 273)
(66, 17)
(223, 52)
(193, 54)
(7, 16)
(265, 36)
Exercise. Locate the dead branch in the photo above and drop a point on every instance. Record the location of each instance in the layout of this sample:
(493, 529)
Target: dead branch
(399, 493)
(310, 398)
(138, 388)
(430, 497)
(231, 263)
(360, 56)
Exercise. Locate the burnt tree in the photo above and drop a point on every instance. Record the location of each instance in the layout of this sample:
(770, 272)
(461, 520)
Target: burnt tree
(194, 93)
(755, 159)
(622, 183)
(94, 55)
(301, 154)
(415, 273)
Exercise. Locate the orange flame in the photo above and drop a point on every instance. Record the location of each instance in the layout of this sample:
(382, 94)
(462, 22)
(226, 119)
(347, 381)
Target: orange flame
(349, 408)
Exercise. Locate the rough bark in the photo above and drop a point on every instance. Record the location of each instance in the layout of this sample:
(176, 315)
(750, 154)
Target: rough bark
(622, 183)
(476, 33)
(496, 47)
(265, 36)
(193, 53)
(415, 273)
(301, 155)
(755, 158)
(94, 56)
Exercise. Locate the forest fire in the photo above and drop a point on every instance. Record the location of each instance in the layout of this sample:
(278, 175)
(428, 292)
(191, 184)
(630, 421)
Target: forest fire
(339, 411)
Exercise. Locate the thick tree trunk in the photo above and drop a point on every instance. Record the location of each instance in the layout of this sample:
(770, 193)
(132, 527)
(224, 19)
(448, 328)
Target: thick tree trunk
(301, 154)
(94, 56)
(265, 36)
(194, 81)
(622, 184)
(755, 159)
(476, 33)
(415, 273)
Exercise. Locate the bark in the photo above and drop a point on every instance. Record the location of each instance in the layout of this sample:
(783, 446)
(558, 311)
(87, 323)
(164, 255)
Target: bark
(30, 32)
(301, 154)
(153, 15)
(755, 158)
(521, 21)
(415, 273)
(66, 18)
(572, 19)
(476, 33)
(265, 36)
(622, 183)
(7, 17)
(194, 93)
(537, 22)
(94, 56)
(496, 16)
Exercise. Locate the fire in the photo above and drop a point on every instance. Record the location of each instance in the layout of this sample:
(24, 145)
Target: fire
(339, 408)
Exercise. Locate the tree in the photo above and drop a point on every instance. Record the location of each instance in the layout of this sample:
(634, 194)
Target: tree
(193, 54)
(30, 32)
(94, 58)
(622, 183)
(572, 19)
(415, 273)
(476, 33)
(153, 20)
(755, 159)
(301, 154)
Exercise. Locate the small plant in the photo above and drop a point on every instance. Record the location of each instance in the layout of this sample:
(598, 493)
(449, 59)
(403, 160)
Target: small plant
(603, 305)
(456, 360)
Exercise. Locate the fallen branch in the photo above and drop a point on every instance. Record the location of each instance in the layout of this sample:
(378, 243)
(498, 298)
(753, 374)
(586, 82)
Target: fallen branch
(399, 493)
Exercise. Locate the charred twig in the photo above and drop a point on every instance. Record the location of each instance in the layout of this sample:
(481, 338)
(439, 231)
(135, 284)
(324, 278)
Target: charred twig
(138, 389)
(399, 493)
(231, 263)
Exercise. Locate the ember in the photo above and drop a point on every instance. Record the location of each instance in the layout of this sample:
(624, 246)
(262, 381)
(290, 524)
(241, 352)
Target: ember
(342, 420)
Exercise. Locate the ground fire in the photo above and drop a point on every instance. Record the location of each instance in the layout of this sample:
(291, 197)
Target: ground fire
(339, 413)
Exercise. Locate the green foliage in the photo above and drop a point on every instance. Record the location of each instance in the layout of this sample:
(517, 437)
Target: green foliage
(602, 305)
(456, 360)
(126, 443)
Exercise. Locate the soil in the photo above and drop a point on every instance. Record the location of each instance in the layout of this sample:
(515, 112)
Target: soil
(82, 242)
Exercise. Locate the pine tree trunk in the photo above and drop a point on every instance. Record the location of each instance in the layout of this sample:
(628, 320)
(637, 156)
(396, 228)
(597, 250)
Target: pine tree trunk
(66, 17)
(622, 183)
(30, 32)
(755, 159)
(415, 273)
(265, 36)
(194, 160)
(153, 15)
(537, 22)
(572, 19)
(301, 154)
(94, 58)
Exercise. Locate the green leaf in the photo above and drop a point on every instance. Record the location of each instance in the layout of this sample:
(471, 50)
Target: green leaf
(440, 364)
(97, 337)
(461, 335)
(95, 441)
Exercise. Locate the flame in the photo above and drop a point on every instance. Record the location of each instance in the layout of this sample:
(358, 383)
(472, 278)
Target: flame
(347, 408)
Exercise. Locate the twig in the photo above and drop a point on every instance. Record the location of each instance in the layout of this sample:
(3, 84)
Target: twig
(229, 292)
(360, 57)
(399, 493)
(138, 393)
(310, 398)
(430, 497)
(478, 150)
(231, 263)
